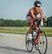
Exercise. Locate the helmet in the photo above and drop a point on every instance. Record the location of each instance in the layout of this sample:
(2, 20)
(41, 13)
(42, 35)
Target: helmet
(37, 3)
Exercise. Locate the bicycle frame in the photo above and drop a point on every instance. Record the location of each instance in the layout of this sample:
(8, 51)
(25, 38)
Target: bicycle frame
(37, 36)
(36, 39)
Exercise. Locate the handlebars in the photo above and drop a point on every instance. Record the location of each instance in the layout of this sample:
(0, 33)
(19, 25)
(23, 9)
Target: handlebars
(40, 22)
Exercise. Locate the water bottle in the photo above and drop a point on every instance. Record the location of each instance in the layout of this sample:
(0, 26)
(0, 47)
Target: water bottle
(34, 34)
(41, 22)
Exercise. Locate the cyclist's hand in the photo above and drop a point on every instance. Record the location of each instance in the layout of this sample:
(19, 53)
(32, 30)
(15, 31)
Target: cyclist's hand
(35, 18)
(44, 19)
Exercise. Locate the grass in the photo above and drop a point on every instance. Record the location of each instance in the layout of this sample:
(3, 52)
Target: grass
(16, 30)
(23, 30)
(47, 30)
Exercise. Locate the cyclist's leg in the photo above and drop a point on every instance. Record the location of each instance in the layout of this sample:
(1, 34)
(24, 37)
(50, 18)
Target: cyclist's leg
(35, 26)
(30, 24)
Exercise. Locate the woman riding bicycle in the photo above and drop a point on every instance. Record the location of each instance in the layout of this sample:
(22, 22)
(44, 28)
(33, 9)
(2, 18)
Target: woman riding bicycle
(35, 36)
(32, 15)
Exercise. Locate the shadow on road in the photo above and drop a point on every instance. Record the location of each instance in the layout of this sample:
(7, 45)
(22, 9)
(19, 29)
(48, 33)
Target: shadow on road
(15, 49)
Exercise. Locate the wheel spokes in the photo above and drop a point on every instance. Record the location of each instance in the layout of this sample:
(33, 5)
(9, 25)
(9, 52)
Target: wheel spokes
(42, 42)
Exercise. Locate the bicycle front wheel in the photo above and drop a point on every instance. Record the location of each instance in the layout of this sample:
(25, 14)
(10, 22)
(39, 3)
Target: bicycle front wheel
(42, 43)
(29, 43)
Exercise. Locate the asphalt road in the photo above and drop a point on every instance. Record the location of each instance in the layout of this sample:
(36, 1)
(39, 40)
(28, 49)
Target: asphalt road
(15, 44)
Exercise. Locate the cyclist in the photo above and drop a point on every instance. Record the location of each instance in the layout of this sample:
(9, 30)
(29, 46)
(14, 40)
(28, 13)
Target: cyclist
(32, 15)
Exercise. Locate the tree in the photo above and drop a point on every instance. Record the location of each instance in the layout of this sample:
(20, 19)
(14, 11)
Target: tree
(49, 21)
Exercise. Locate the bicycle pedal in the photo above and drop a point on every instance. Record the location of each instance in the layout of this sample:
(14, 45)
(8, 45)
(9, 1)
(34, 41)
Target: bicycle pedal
(27, 41)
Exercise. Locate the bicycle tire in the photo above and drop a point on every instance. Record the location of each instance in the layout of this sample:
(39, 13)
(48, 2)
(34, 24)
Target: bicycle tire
(26, 40)
(46, 43)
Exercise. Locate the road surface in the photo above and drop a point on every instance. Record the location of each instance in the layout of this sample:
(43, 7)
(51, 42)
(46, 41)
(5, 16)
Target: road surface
(15, 44)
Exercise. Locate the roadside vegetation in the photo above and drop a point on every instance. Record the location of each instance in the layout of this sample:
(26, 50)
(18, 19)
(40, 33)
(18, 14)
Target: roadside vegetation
(22, 26)
(23, 30)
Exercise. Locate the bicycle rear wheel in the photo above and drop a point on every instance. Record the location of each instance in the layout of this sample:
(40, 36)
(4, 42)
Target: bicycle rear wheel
(42, 43)
(29, 43)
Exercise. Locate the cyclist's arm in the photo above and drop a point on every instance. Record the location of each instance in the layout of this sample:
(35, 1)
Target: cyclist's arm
(32, 14)
(41, 14)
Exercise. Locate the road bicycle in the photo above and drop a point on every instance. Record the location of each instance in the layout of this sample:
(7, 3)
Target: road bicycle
(40, 40)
